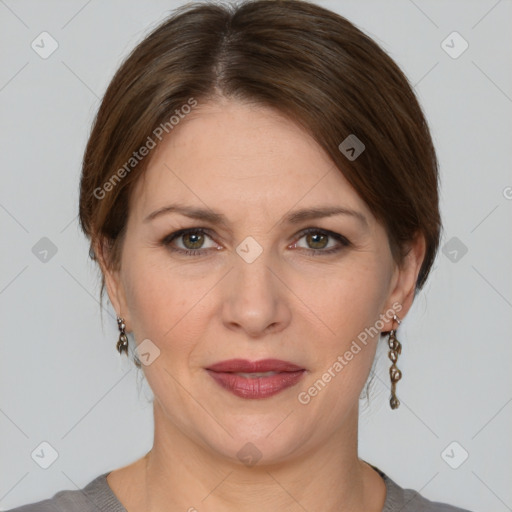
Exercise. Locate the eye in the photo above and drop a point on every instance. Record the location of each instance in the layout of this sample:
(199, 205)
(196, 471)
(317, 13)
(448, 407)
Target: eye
(317, 241)
(191, 240)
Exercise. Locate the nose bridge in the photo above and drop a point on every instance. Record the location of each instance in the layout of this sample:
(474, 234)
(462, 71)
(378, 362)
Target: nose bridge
(254, 300)
(252, 276)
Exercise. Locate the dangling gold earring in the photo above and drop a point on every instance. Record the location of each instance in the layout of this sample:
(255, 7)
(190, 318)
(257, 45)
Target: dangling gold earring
(122, 342)
(395, 348)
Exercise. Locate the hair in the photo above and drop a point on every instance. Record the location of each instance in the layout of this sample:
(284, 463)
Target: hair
(306, 62)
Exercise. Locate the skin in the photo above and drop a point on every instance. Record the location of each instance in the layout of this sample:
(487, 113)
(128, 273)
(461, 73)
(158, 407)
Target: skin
(254, 166)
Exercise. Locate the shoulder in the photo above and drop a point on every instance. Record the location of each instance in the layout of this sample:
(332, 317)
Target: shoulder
(409, 500)
(96, 495)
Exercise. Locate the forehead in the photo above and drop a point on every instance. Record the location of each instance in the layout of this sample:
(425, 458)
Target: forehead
(234, 156)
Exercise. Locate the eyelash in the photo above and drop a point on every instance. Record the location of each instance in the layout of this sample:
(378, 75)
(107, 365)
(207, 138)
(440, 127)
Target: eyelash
(344, 242)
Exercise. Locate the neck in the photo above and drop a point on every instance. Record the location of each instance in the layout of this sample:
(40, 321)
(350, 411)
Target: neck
(181, 474)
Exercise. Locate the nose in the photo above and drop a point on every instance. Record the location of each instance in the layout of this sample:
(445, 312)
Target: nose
(256, 302)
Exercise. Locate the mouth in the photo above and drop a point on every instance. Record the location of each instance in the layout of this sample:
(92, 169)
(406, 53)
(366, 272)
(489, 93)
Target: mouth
(255, 379)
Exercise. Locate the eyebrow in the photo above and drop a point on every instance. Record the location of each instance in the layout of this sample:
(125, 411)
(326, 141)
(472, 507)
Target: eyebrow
(294, 217)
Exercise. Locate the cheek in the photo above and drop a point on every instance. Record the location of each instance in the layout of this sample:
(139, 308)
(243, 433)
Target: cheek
(348, 307)
(165, 306)
(349, 301)
(152, 298)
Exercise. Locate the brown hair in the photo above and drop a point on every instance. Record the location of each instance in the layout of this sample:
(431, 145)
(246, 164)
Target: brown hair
(307, 62)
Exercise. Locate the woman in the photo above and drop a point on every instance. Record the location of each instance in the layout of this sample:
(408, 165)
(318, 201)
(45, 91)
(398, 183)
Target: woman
(260, 192)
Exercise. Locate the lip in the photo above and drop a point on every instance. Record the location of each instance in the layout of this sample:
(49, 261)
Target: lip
(225, 373)
(263, 365)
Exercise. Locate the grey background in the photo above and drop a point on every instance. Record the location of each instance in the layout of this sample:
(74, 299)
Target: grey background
(62, 380)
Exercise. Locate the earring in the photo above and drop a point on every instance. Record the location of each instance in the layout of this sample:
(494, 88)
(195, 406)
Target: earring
(395, 348)
(122, 343)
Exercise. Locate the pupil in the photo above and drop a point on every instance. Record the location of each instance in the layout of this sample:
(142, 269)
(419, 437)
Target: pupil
(195, 240)
(316, 240)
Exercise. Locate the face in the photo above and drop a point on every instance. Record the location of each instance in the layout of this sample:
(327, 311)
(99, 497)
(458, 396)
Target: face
(252, 278)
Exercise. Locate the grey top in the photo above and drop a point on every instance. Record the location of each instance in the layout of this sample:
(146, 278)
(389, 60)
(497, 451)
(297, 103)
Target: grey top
(97, 496)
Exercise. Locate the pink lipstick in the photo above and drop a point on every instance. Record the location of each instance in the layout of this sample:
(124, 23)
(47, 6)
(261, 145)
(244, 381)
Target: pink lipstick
(255, 379)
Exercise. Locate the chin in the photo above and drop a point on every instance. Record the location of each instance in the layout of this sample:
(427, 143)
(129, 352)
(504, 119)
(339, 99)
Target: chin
(257, 439)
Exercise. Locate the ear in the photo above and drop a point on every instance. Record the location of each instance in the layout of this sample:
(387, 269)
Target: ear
(403, 287)
(103, 252)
